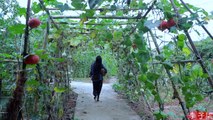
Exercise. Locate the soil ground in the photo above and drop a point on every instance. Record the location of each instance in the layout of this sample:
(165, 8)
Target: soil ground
(110, 107)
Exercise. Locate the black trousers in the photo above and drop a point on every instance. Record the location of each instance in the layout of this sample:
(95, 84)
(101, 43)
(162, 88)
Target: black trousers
(97, 86)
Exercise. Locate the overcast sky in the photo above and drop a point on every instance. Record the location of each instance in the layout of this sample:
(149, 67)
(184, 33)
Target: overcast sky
(205, 4)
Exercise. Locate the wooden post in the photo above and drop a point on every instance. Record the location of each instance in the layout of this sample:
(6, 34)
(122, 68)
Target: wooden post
(184, 4)
(175, 94)
(14, 107)
(199, 58)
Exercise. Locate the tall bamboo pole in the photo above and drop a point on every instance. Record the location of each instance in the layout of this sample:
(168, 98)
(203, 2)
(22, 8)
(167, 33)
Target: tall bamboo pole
(197, 54)
(175, 94)
(14, 107)
(205, 29)
(199, 58)
(48, 13)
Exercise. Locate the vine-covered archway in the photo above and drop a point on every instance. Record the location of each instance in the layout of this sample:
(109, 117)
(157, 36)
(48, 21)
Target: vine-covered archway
(147, 45)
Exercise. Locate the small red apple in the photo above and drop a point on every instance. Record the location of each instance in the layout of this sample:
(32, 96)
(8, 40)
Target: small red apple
(31, 59)
(171, 23)
(34, 22)
(163, 25)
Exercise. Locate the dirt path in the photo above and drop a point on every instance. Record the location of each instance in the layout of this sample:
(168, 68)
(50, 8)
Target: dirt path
(110, 106)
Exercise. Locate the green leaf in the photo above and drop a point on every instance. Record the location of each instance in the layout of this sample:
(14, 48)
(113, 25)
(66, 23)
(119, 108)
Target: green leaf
(78, 4)
(157, 97)
(59, 90)
(36, 7)
(17, 28)
(93, 34)
(75, 42)
(22, 11)
(155, 93)
(63, 7)
(199, 97)
(90, 13)
(186, 51)
(142, 77)
(109, 36)
(83, 17)
(142, 5)
(41, 53)
(160, 115)
(117, 35)
(190, 103)
(188, 25)
(93, 3)
(184, 89)
(167, 65)
(197, 9)
(127, 41)
(142, 27)
(119, 13)
(197, 71)
(59, 59)
(152, 76)
(32, 83)
(167, 52)
(159, 57)
(138, 41)
(114, 7)
(205, 75)
(144, 68)
(149, 85)
(5, 55)
(61, 112)
(181, 39)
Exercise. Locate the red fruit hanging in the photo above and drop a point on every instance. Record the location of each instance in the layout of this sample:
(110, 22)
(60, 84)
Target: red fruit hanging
(163, 26)
(34, 22)
(31, 59)
(171, 23)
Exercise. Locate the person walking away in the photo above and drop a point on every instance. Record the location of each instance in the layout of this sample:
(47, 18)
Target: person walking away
(97, 72)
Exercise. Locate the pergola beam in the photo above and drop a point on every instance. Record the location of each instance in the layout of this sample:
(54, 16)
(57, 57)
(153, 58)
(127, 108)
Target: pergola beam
(100, 9)
(97, 17)
(73, 23)
(177, 62)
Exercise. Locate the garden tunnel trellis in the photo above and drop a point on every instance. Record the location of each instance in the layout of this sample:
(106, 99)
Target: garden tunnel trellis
(139, 16)
(51, 18)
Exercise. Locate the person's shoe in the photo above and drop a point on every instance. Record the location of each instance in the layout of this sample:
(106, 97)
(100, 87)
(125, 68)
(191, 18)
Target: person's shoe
(98, 98)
